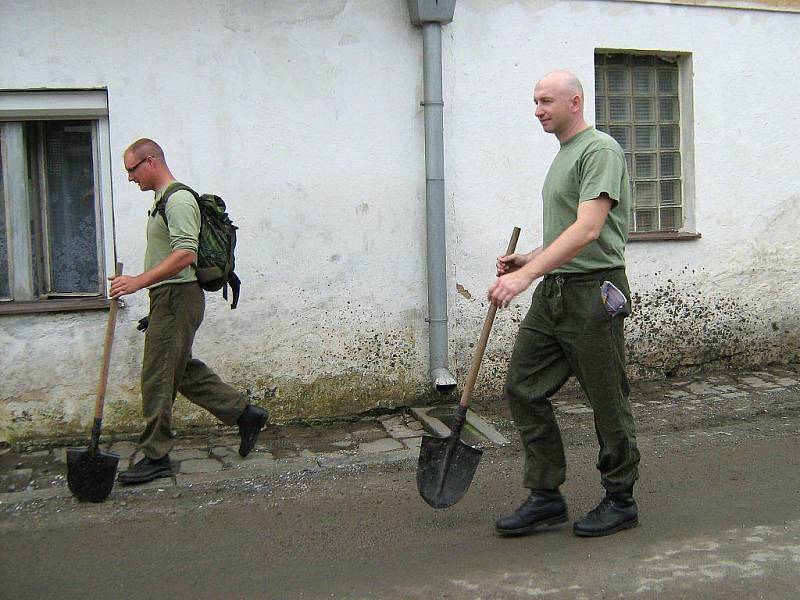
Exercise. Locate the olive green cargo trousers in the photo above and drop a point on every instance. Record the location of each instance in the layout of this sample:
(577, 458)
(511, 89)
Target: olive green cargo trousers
(568, 331)
(176, 311)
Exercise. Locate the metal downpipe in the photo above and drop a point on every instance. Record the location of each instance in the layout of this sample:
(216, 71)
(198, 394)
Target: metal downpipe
(433, 104)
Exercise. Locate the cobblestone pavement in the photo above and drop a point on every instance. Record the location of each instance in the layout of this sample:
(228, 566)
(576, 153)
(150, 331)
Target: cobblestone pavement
(673, 404)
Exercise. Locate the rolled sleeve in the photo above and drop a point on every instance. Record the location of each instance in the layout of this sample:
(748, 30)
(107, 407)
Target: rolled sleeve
(183, 216)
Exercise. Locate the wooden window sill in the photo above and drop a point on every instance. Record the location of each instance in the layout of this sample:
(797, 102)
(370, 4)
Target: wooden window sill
(54, 305)
(650, 236)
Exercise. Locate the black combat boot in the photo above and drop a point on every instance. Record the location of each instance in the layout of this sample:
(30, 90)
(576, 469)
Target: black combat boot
(614, 513)
(250, 422)
(541, 509)
(146, 470)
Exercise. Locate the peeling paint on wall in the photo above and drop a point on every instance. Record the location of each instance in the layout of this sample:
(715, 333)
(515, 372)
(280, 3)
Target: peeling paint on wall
(463, 291)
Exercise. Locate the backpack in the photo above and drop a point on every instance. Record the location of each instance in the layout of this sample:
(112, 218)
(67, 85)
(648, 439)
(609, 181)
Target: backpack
(216, 243)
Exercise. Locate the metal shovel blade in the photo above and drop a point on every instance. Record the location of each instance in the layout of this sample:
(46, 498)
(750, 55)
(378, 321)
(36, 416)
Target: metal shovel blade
(91, 473)
(445, 469)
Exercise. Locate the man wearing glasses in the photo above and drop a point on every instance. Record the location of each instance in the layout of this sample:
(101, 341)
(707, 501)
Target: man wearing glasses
(177, 304)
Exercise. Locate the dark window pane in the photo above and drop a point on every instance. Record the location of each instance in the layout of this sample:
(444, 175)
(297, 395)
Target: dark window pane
(599, 82)
(619, 80)
(645, 137)
(644, 166)
(667, 81)
(600, 109)
(668, 109)
(70, 210)
(619, 110)
(671, 192)
(670, 164)
(622, 134)
(33, 133)
(643, 82)
(5, 287)
(646, 193)
(670, 135)
(646, 220)
(644, 110)
(671, 218)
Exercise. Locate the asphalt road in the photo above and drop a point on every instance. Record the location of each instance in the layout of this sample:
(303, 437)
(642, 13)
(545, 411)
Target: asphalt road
(719, 511)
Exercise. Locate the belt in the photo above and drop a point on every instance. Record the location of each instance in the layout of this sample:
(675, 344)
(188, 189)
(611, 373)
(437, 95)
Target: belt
(587, 276)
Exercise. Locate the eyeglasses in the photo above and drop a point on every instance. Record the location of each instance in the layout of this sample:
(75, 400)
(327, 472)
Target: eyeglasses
(136, 166)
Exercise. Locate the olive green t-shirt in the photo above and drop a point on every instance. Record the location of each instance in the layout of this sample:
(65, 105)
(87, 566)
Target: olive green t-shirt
(183, 216)
(588, 164)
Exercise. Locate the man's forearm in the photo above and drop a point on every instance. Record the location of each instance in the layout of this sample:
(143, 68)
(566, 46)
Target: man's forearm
(173, 264)
(592, 215)
(562, 250)
(170, 266)
(534, 253)
(586, 228)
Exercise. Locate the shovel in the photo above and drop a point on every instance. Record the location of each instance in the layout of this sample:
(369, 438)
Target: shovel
(90, 471)
(446, 465)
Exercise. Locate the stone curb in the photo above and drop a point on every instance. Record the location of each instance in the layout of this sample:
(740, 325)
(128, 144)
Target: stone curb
(435, 425)
(388, 439)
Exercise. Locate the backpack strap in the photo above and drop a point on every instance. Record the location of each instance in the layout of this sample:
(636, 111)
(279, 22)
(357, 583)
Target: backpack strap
(233, 279)
(161, 205)
(236, 284)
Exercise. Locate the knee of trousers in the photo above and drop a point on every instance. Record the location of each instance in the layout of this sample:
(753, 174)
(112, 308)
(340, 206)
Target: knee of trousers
(530, 412)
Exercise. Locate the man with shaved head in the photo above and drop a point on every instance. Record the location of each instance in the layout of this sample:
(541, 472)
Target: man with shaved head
(575, 322)
(177, 304)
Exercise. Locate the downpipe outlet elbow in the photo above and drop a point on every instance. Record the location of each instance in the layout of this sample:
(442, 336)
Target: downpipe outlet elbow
(443, 381)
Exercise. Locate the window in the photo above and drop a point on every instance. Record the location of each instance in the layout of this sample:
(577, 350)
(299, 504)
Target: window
(54, 200)
(638, 102)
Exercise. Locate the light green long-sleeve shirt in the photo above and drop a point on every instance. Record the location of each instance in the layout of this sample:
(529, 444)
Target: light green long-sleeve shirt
(183, 216)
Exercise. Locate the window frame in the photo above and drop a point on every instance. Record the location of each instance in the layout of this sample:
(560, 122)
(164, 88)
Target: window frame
(18, 107)
(683, 60)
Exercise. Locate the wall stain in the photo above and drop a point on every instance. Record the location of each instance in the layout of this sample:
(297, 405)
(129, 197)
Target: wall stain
(355, 362)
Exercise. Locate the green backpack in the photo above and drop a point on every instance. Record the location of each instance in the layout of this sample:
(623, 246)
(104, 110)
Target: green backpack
(217, 242)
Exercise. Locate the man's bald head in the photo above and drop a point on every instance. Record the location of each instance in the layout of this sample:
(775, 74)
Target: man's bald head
(564, 81)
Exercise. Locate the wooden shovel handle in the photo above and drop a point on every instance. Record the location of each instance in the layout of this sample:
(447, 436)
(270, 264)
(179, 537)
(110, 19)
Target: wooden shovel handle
(107, 343)
(487, 328)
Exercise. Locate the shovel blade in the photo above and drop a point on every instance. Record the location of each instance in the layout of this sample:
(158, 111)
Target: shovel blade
(445, 470)
(91, 474)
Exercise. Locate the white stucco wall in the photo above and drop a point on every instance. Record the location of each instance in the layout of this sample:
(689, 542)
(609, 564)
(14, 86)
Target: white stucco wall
(305, 117)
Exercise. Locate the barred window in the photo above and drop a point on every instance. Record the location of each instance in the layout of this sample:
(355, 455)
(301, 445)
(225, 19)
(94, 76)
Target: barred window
(637, 102)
